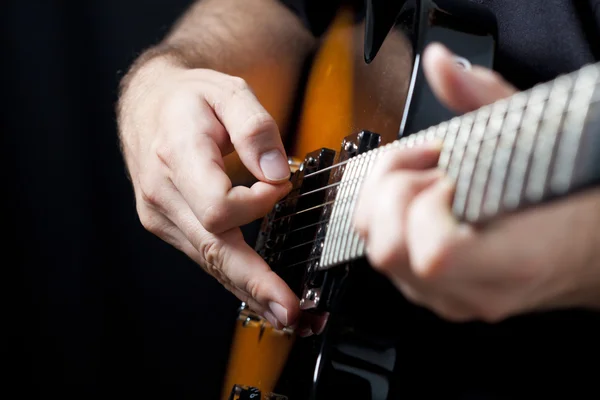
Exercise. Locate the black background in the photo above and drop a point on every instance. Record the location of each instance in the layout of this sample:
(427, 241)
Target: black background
(92, 304)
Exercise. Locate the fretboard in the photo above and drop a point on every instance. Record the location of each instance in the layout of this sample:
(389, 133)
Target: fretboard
(540, 144)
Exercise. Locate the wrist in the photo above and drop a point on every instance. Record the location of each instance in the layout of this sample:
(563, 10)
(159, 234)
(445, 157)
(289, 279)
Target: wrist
(148, 68)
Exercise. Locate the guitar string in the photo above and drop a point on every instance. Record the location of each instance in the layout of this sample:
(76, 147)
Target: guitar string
(571, 91)
(465, 144)
(360, 179)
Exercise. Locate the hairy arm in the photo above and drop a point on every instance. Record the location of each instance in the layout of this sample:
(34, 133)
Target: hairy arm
(261, 41)
(200, 118)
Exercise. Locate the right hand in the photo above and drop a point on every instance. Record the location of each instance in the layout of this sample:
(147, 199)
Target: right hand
(177, 125)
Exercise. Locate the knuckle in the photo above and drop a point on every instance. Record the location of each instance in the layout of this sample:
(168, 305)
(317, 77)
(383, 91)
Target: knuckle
(176, 104)
(384, 258)
(256, 126)
(150, 221)
(214, 218)
(150, 191)
(211, 252)
(238, 84)
(428, 265)
(254, 287)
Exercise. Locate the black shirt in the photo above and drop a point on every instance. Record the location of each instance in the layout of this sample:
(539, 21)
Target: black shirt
(544, 354)
(537, 39)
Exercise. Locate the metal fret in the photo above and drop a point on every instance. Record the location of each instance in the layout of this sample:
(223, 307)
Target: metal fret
(458, 151)
(524, 147)
(449, 140)
(485, 159)
(357, 245)
(517, 150)
(560, 94)
(346, 229)
(504, 152)
(568, 147)
(469, 163)
(338, 216)
(347, 197)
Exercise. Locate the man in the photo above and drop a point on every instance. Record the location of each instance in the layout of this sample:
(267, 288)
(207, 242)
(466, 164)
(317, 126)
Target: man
(202, 93)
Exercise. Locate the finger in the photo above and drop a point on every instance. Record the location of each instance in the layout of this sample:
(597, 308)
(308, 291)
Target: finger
(253, 132)
(198, 173)
(229, 259)
(249, 272)
(166, 228)
(459, 88)
(420, 157)
(385, 226)
(175, 237)
(433, 231)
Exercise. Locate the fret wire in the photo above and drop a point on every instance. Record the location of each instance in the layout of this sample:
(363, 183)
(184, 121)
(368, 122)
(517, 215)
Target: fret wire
(328, 248)
(332, 213)
(517, 143)
(356, 195)
(352, 240)
(560, 94)
(571, 136)
(527, 134)
(503, 152)
(350, 191)
(488, 152)
(448, 144)
(359, 245)
(461, 142)
(395, 144)
(467, 170)
(441, 131)
(346, 244)
(348, 175)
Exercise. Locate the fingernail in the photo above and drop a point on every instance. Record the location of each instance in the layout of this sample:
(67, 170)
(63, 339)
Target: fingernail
(279, 311)
(274, 166)
(271, 318)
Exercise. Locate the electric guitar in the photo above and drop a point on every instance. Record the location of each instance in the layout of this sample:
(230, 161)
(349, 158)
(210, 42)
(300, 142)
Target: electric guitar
(366, 94)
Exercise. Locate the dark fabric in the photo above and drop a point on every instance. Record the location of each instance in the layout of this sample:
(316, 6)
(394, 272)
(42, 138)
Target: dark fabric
(92, 305)
(529, 356)
(537, 39)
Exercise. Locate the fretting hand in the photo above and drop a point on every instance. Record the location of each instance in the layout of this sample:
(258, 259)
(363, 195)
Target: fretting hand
(517, 264)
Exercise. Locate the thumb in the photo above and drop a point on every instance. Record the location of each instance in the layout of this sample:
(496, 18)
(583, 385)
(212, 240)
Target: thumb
(461, 88)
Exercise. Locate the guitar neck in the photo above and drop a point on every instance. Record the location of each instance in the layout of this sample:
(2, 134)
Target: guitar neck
(534, 146)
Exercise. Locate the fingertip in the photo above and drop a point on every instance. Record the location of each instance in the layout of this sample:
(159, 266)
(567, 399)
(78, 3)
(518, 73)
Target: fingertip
(274, 166)
(458, 84)
(281, 300)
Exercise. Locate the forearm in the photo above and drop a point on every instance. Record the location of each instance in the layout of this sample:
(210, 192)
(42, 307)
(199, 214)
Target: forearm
(258, 40)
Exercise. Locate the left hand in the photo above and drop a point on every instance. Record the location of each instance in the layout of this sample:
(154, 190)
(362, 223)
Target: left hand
(543, 258)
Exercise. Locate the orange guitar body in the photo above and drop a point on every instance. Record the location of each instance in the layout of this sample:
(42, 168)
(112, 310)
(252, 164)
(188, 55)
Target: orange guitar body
(343, 96)
(259, 351)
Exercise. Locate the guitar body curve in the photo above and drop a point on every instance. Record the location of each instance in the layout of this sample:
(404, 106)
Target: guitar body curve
(353, 106)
